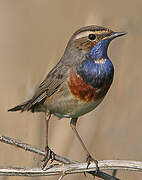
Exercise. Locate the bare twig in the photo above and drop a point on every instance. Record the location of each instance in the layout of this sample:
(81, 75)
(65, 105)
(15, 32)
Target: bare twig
(61, 159)
(72, 168)
(33, 149)
(69, 167)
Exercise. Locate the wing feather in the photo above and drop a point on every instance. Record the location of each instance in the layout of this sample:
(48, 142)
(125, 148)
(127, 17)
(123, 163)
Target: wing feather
(49, 86)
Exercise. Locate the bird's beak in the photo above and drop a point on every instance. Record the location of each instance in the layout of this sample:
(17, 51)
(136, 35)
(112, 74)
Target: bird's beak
(117, 34)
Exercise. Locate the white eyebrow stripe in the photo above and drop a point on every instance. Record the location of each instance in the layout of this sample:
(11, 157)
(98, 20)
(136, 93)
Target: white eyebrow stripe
(83, 34)
(86, 33)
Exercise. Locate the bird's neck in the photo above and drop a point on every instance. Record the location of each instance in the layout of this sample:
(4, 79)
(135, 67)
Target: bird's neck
(96, 73)
(100, 50)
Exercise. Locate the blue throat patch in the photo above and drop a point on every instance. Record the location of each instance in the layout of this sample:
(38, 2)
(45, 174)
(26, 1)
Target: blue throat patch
(94, 73)
(100, 50)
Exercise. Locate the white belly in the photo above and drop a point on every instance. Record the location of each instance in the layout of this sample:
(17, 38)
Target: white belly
(71, 108)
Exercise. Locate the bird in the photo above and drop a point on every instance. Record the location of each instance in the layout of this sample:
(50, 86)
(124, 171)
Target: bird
(78, 83)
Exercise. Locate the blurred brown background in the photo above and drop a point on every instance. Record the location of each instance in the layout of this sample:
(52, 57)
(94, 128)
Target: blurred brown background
(33, 36)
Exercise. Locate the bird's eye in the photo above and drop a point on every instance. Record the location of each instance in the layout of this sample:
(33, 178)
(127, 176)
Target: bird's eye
(92, 36)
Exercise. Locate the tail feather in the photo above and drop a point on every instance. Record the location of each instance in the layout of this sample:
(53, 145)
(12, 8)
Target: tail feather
(16, 108)
(22, 107)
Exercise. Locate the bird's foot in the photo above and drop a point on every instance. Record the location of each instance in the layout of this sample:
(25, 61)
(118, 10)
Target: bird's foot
(49, 156)
(89, 159)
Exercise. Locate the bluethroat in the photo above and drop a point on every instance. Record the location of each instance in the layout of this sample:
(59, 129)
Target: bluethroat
(79, 81)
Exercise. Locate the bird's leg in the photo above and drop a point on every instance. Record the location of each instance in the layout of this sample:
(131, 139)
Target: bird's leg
(89, 157)
(49, 153)
(47, 118)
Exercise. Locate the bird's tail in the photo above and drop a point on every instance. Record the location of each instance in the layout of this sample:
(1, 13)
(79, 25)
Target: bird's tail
(21, 107)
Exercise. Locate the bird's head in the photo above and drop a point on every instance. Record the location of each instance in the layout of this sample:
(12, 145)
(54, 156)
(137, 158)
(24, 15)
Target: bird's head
(93, 40)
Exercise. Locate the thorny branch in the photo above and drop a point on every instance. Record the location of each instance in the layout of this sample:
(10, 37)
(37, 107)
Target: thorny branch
(69, 167)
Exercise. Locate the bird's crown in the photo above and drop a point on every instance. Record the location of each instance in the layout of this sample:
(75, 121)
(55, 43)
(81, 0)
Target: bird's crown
(87, 37)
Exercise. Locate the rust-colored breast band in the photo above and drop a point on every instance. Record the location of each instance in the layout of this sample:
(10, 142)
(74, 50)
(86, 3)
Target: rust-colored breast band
(80, 89)
(83, 91)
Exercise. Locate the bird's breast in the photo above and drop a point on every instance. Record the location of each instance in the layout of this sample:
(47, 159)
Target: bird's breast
(91, 81)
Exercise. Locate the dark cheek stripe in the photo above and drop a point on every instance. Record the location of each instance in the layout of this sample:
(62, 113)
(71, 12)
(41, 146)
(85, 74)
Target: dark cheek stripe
(84, 44)
(83, 91)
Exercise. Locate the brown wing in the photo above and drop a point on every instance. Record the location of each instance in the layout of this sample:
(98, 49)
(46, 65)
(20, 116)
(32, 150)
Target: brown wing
(49, 86)
(51, 83)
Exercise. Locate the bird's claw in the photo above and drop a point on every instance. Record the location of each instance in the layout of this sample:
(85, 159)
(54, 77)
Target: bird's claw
(49, 156)
(89, 159)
